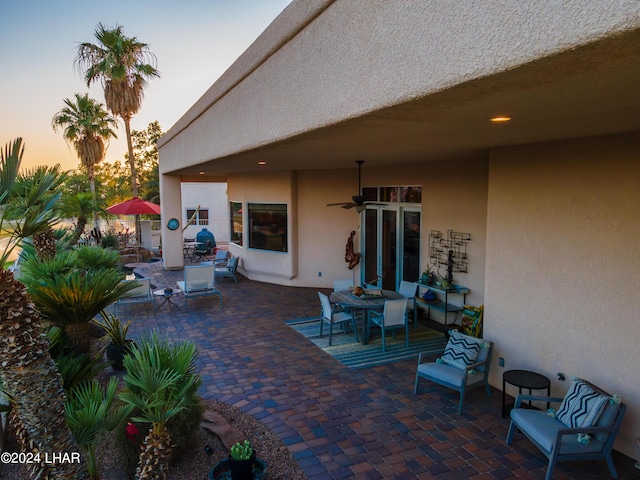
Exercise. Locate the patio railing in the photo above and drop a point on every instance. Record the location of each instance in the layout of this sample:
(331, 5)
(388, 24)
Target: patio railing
(219, 228)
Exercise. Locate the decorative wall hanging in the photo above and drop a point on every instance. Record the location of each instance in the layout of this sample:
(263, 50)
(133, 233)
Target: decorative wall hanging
(350, 256)
(450, 252)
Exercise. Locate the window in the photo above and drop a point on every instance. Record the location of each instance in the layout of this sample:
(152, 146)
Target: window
(393, 194)
(198, 216)
(236, 222)
(268, 226)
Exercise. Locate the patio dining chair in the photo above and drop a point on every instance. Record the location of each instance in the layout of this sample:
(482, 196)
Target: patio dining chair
(203, 251)
(199, 280)
(342, 284)
(332, 316)
(393, 315)
(408, 291)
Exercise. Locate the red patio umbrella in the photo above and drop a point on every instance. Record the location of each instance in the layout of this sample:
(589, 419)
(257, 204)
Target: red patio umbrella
(135, 206)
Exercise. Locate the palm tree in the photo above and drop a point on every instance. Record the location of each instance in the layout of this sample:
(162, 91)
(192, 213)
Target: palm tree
(88, 127)
(78, 205)
(29, 375)
(123, 65)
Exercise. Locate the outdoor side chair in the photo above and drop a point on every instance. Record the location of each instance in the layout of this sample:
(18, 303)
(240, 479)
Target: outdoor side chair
(584, 427)
(228, 270)
(199, 280)
(464, 365)
(140, 294)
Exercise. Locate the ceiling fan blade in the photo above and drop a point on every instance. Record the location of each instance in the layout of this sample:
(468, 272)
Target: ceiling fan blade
(337, 204)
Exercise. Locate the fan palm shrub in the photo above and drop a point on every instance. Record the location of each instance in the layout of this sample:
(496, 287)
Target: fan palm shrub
(161, 383)
(90, 412)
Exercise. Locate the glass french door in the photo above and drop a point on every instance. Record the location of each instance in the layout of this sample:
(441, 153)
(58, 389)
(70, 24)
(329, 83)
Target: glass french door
(391, 246)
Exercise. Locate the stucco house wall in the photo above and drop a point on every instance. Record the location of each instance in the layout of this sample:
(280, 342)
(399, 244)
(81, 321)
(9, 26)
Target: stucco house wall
(408, 86)
(563, 256)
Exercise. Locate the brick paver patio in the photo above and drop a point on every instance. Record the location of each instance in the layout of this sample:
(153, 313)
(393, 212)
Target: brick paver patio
(338, 422)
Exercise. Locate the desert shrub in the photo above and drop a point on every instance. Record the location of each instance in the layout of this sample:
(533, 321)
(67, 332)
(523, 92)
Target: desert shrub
(109, 240)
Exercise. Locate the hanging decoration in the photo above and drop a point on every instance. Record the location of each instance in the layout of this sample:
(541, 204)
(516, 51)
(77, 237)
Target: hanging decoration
(350, 256)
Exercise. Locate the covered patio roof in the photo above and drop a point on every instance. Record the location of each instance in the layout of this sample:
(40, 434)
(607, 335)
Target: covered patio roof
(585, 91)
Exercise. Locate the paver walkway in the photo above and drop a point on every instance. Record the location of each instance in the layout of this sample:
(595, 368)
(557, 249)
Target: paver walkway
(342, 423)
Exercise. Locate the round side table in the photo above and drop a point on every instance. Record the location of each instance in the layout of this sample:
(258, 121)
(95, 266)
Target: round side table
(524, 379)
(167, 293)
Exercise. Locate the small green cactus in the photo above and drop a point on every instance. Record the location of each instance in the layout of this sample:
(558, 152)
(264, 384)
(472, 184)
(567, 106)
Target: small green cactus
(241, 451)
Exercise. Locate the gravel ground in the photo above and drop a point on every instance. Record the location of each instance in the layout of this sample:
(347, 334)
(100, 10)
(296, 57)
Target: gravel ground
(195, 464)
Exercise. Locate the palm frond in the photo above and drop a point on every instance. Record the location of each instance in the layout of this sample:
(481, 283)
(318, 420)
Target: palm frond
(77, 297)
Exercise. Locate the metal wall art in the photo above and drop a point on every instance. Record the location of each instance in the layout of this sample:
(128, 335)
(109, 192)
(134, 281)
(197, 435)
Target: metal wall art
(449, 251)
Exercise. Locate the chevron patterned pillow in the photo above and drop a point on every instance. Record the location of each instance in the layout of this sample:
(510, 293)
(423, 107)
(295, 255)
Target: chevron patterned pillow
(461, 350)
(581, 406)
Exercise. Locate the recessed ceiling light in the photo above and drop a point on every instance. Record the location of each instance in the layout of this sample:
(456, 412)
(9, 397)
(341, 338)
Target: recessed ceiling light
(201, 173)
(262, 162)
(500, 119)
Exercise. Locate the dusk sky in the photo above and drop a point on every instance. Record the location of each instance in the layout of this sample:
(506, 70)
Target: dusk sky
(194, 41)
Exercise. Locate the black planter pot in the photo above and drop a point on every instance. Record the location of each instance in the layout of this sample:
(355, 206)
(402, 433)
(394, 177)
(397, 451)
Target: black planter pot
(115, 355)
(252, 469)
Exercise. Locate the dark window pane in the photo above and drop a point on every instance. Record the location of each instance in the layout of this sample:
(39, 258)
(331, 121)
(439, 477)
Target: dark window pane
(268, 226)
(389, 194)
(411, 261)
(370, 194)
(236, 222)
(412, 194)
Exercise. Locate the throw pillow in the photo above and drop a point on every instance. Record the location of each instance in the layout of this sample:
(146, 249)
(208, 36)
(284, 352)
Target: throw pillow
(461, 350)
(581, 406)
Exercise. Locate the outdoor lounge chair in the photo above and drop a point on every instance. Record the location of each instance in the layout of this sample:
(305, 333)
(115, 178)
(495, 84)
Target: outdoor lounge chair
(140, 294)
(464, 365)
(332, 316)
(584, 427)
(221, 257)
(394, 315)
(199, 280)
(228, 270)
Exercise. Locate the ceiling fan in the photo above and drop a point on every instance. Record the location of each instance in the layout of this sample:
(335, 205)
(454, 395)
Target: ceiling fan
(358, 201)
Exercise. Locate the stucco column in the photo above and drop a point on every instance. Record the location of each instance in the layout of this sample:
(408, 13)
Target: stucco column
(171, 207)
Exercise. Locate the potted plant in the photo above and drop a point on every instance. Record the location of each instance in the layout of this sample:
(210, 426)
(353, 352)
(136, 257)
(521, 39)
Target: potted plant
(117, 334)
(242, 464)
(427, 275)
(242, 459)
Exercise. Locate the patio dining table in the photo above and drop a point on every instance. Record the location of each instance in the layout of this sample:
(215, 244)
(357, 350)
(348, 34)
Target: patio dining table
(348, 300)
(189, 249)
